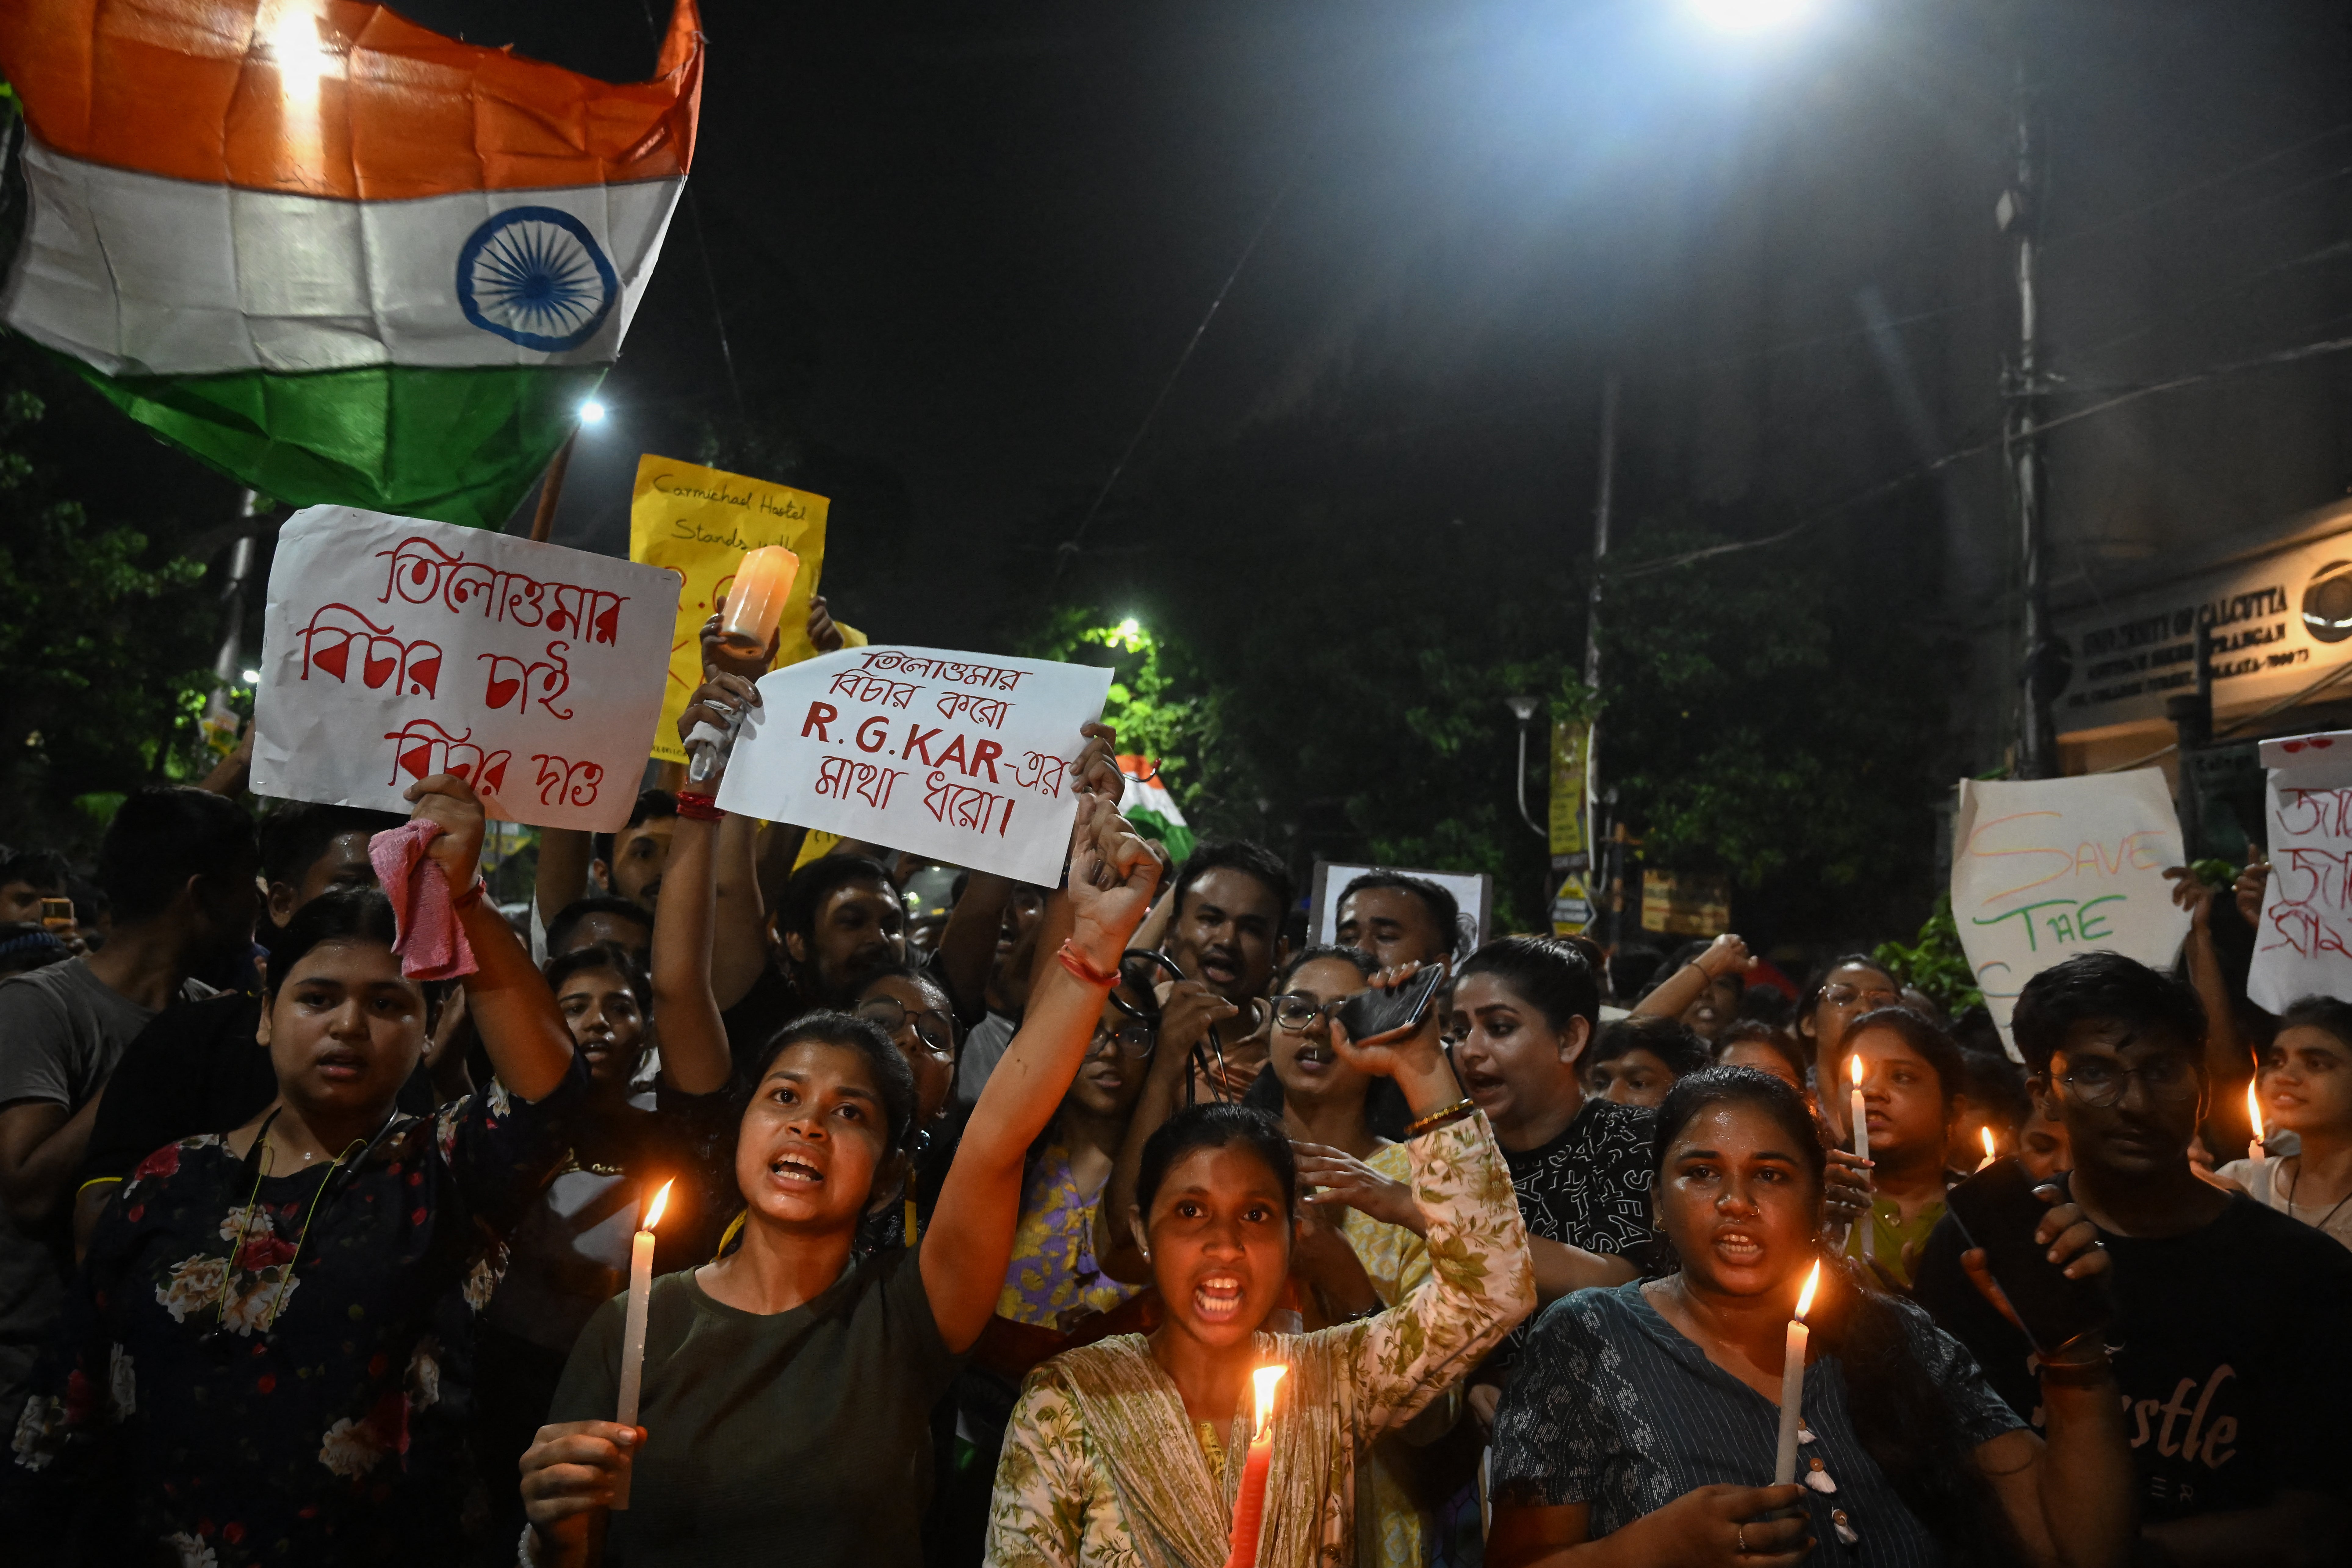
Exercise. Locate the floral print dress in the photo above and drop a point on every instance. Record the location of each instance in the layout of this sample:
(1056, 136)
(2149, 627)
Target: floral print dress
(213, 1397)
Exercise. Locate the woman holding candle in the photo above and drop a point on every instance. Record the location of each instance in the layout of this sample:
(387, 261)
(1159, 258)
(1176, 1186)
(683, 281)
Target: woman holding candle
(255, 1362)
(2306, 1087)
(1640, 1425)
(788, 1387)
(1848, 988)
(1136, 1449)
(1908, 1077)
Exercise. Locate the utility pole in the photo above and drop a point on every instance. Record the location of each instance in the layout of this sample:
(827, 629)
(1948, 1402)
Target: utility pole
(2020, 214)
(1605, 863)
(228, 663)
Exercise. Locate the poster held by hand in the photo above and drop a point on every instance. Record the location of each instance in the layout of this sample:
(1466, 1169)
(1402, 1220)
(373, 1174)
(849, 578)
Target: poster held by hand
(2303, 943)
(2045, 868)
(394, 649)
(966, 758)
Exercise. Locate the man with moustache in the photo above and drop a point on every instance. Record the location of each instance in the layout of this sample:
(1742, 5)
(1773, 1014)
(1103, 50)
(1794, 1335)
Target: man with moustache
(1225, 934)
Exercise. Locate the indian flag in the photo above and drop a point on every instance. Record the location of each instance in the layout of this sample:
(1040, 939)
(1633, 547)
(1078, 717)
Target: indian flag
(1145, 801)
(338, 257)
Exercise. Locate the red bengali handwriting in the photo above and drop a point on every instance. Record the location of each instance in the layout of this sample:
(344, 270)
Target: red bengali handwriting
(966, 805)
(1041, 773)
(414, 668)
(883, 662)
(989, 711)
(421, 749)
(860, 686)
(840, 777)
(513, 681)
(2310, 910)
(420, 572)
(563, 783)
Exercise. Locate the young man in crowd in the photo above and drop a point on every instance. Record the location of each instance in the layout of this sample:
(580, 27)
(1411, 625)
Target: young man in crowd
(177, 866)
(1020, 913)
(627, 865)
(1398, 919)
(2228, 1335)
(1224, 932)
(599, 918)
(26, 877)
(198, 1068)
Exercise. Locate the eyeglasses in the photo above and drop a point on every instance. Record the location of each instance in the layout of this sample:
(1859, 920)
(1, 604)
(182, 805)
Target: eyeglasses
(934, 1029)
(1849, 995)
(1298, 1012)
(2098, 1085)
(1132, 1039)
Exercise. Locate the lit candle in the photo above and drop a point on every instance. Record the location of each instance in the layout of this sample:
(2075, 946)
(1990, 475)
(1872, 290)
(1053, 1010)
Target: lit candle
(1986, 1132)
(2254, 1116)
(632, 1334)
(755, 599)
(1862, 1150)
(1249, 1508)
(1792, 1382)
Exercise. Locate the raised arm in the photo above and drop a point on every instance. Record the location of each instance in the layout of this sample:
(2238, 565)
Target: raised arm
(1727, 954)
(964, 1254)
(2225, 1060)
(522, 1029)
(695, 1057)
(561, 875)
(1484, 1281)
(968, 942)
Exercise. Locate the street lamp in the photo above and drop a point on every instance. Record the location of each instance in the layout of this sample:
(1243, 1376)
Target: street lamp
(1523, 709)
(592, 411)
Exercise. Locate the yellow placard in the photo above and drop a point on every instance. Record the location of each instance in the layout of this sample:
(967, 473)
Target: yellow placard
(1570, 750)
(699, 522)
(1685, 905)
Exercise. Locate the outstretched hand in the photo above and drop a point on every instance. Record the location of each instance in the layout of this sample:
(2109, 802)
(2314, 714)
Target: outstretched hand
(1385, 1055)
(1112, 874)
(450, 801)
(719, 701)
(1097, 769)
(717, 656)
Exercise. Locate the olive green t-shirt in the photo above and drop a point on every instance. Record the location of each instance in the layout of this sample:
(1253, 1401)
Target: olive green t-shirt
(801, 1436)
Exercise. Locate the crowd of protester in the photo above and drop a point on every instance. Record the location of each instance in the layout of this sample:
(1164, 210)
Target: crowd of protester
(975, 1229)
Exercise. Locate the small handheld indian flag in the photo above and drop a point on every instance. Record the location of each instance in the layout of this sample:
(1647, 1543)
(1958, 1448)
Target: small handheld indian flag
(1146, 802)
(338, 257)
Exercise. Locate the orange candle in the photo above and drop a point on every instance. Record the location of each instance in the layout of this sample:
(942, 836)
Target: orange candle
(1249, 1508)
(755, 599)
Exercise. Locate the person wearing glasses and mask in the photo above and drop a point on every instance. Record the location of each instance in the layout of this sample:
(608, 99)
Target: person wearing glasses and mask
(2235, 1370)
(913, 1009)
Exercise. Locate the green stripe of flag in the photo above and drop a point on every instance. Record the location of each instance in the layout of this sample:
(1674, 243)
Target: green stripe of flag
(460, 446)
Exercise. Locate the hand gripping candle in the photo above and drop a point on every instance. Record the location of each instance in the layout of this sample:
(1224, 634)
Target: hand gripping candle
(1249, 1508)
(1792, 1382)
(633, 1332)
(1862, 1150)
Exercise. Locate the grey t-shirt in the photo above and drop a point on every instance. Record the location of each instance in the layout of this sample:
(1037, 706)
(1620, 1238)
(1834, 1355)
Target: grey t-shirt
(983, 1049)
(62, 1029)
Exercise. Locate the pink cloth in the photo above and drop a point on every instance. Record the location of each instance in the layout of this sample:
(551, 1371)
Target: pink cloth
(429, 939)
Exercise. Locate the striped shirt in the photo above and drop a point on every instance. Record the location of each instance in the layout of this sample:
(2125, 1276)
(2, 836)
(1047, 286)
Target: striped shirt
(1610, 1405)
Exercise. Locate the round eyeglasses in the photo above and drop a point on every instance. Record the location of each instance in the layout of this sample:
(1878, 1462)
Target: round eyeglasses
(934, 1029)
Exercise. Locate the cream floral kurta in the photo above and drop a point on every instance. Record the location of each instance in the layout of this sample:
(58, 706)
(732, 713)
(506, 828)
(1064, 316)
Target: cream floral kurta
(1101, 1467)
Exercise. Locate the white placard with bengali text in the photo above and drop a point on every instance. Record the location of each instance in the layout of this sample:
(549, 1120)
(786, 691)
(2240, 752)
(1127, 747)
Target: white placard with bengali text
(962, 757)
(2303, 943)
(396, 648)
(2045, 868)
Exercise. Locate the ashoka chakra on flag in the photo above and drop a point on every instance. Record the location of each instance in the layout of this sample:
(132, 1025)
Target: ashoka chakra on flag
(341, 257)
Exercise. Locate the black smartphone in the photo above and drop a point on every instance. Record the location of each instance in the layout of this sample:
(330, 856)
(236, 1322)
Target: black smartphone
(1998, 1210)
(1370, 1014)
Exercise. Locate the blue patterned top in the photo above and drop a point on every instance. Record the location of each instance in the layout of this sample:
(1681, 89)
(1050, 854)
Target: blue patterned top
(1612, 1406)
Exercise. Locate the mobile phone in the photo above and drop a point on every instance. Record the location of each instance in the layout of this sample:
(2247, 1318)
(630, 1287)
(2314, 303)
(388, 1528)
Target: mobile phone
(1998, 1210)
(57, 914)
(1370, 1014)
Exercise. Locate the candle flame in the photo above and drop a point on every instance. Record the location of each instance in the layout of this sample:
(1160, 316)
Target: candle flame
(1265, 1378)
(1986, 1132)
(1854, 1066)
(1805, 1297)
(2254, 1107)
(654, 1209)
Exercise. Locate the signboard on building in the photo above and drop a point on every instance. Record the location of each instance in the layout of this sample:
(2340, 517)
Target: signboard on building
(2280, 617)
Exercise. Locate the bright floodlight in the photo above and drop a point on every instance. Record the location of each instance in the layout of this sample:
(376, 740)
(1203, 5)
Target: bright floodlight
(1750, 16)
(1130, 629)
(252, 677)
(592, 412)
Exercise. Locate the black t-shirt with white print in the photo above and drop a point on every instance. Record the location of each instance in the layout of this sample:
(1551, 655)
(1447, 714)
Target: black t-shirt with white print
(2230, 1352)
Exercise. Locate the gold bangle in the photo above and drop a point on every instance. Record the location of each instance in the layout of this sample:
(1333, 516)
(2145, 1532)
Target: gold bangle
(1440, 1117)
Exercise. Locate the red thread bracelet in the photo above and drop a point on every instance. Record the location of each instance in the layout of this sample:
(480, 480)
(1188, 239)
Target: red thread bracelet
(697, 807)
(1079, 964)
(470, 897)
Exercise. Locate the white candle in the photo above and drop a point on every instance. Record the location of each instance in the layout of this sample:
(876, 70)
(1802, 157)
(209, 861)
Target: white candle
(2254, 1116)
(1986, 1132)
(1792, 1383)
(633, 1332)
(1862, 1150)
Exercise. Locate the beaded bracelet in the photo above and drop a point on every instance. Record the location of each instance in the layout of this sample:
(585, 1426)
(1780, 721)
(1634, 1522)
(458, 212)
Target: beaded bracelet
(698, 807)
(1444, 1116)
(1079, 964)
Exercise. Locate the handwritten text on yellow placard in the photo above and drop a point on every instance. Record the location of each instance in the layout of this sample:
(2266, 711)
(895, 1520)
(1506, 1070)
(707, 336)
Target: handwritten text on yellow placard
(700, 521)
